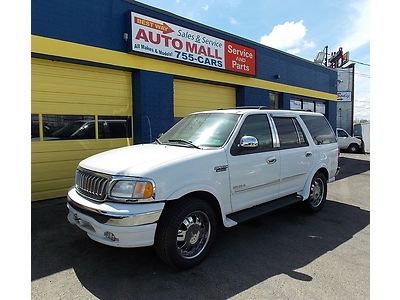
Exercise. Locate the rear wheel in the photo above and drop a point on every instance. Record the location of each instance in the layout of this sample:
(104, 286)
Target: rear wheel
(318, 191)
(185, 233)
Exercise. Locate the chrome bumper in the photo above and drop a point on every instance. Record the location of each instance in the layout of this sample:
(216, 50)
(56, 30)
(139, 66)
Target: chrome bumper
(124, 215)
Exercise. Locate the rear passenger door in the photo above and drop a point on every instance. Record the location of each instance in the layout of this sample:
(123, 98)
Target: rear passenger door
(296, 154)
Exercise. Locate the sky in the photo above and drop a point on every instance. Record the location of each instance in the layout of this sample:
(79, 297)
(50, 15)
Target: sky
(302, 28)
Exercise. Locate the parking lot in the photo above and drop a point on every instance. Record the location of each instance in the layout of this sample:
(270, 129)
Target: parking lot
(285, 254)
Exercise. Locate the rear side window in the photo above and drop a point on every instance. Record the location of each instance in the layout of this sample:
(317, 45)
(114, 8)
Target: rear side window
(290, 133)
(320, 129)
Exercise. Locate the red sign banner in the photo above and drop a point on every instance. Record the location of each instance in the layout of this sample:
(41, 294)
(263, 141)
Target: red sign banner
(159, 38)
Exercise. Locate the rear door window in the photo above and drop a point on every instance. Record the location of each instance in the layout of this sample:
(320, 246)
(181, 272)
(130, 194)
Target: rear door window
(289, 132)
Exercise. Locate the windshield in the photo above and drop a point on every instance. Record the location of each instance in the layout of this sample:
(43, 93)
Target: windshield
(205, 130)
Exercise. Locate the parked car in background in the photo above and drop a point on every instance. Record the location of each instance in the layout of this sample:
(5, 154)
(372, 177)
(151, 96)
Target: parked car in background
(348, 142)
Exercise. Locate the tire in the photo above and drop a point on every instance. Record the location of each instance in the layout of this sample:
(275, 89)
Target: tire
(185, 233)
(318, 191)
(353, 148)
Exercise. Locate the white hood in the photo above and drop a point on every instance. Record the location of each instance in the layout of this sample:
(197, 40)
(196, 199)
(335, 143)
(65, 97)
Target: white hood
(136, 160)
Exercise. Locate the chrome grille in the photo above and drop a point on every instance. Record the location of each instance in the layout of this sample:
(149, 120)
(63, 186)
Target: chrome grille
(90, 184)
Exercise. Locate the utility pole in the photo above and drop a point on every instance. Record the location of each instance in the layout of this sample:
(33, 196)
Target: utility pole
(352, 66)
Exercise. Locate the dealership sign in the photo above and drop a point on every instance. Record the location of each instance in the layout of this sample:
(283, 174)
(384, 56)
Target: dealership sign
(343, 96)
(167, 40)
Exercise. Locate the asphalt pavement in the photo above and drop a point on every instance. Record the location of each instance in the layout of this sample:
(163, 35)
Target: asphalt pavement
(286, 254)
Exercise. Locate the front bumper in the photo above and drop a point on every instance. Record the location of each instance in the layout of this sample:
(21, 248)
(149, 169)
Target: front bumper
(115, 224)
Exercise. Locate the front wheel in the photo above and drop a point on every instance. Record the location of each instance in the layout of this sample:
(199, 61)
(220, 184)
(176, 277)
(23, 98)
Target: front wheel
(354, 148)
(318, 191)
(185, 233)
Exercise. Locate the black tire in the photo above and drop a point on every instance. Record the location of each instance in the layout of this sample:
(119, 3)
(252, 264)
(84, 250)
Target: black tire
(353, 148)
(185, 232)
(318, 191)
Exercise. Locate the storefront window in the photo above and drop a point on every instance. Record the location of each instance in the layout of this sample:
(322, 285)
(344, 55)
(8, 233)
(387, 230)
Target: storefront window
(273, 100)
(111, 127)
(320, 107)
(34, 127)
(68, 127)
(308, 105)
(295, 104)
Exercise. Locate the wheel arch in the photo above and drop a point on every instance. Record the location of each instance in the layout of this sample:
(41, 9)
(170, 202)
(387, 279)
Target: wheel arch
(305, 193)
(207, 197)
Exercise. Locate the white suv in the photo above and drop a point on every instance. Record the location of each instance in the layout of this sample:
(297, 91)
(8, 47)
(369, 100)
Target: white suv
(213, 167)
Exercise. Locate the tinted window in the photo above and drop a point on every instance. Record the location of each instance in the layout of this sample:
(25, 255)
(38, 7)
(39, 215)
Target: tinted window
(257, 126)
(68, 127)
(287, 132)
(114, 127)
(320, 129)
(302, 137)
(34, 127)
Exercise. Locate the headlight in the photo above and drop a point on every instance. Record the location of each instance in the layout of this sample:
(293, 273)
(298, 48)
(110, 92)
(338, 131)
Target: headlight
(132, 189)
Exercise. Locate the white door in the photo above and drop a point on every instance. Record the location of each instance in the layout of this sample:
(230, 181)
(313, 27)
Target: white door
(296, 155)
(254, 172)
(342, 138)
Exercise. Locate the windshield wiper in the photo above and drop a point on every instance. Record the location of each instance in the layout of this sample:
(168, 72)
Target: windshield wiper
(158, 141)
(185, 142)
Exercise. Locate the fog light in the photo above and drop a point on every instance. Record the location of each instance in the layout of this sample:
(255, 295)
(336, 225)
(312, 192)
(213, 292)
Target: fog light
(111, 236)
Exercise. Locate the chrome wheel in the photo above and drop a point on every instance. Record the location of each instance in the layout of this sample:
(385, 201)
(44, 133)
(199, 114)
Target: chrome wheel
(317, 192)
(193, 235)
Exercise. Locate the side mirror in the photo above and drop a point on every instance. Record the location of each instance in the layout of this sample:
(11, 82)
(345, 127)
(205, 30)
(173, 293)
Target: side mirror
(248, 141)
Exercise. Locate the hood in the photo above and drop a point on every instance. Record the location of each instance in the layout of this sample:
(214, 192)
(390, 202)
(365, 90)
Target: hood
(137, 160)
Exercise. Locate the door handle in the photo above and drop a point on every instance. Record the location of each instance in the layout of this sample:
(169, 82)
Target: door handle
(271, 160)
(308, 154)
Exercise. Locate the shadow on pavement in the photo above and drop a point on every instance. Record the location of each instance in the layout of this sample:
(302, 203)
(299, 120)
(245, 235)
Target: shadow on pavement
(242, 256)
(352, 166)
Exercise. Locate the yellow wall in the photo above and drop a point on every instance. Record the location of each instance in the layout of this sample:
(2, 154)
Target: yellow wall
(64, 88)
(191, 96)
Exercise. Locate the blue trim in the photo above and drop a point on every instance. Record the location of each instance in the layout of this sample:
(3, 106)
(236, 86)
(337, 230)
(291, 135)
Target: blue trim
(153, 108)
(248, 96)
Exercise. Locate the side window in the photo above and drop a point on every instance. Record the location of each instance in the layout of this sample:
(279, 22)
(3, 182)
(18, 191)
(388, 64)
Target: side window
(320, 129)
(302, 137)
(68, 127)
(257, 126)
(112, 127)
(290, 133)
(342, 133)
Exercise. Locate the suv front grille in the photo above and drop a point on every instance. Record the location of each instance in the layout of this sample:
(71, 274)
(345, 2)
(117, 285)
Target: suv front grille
(90, 184)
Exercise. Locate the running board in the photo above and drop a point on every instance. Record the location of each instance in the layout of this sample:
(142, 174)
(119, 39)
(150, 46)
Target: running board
(258, 210)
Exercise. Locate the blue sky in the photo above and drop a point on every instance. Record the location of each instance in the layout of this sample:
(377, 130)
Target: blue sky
(301, 28)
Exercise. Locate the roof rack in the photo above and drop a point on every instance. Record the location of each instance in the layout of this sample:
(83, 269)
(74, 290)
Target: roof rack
(246, 107)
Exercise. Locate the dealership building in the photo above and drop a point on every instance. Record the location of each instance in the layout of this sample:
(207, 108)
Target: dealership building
(111, 73)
